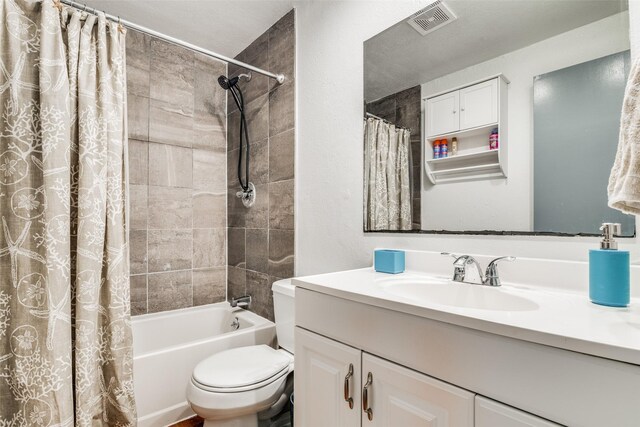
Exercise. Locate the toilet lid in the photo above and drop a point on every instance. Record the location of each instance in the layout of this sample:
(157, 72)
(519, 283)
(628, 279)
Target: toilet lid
(240, 367)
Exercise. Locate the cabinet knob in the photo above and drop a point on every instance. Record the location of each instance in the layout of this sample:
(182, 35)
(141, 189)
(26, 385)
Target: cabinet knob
(365, 397)
(347, 391)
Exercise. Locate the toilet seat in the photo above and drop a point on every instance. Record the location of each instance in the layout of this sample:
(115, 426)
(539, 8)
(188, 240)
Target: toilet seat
(242, 369)
(248, 390)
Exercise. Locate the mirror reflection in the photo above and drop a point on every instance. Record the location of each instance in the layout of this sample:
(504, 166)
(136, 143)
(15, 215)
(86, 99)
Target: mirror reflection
(497, 117)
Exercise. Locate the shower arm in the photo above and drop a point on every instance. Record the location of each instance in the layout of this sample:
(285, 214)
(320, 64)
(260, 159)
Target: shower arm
(277, 77)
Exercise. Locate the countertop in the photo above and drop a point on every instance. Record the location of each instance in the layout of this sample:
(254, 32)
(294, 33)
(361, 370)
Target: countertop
(562, 319)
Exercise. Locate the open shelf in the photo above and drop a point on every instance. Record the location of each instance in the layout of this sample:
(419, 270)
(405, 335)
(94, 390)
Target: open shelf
(467, 133)
(461, 167)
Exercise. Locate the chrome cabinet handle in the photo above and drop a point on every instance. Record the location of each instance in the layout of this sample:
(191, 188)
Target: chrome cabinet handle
(365, 397)
(347, 392)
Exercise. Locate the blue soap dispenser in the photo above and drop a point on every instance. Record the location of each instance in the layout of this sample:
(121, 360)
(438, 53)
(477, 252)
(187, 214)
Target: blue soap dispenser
(609, 270)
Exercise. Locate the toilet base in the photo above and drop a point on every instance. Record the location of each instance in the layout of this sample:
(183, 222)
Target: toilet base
(250, 420)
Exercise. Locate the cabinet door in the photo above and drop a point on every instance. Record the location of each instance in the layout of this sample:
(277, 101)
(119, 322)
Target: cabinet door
(442, 114)
(490, 413)
(398, 396)
(321, 368)
(479, 104)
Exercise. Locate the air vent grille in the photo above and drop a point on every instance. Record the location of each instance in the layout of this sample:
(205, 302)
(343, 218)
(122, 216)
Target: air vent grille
(431, 18)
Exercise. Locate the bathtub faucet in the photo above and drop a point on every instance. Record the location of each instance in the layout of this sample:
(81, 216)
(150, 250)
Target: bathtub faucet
(242, 302)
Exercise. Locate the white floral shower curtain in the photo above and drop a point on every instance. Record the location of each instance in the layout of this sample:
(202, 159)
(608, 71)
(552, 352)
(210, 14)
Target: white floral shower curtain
(387, 176)
(65, 334)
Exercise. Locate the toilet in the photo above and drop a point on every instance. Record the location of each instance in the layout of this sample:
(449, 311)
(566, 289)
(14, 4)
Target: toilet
(237, 387)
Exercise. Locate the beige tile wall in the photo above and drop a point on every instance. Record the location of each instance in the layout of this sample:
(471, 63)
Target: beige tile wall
(261, 238)
(177, 174)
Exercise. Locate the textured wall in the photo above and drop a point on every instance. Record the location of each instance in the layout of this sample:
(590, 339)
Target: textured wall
(403, 109)
(177, 172)
(261, 238)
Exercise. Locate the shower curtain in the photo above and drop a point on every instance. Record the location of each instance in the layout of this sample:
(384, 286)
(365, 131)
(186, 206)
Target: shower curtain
(387, 176)
(65, 334)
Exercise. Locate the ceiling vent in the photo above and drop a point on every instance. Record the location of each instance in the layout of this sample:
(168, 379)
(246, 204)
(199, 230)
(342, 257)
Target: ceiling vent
(431, 18)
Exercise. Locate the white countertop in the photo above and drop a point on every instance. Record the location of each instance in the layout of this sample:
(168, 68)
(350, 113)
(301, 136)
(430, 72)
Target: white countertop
(562, 318)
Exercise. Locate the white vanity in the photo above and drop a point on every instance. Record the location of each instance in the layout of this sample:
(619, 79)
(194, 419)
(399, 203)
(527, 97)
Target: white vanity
(416, 349)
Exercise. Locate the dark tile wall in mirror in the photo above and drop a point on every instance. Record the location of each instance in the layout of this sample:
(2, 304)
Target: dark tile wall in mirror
(177, 175)
(403, 109)
(261, 238)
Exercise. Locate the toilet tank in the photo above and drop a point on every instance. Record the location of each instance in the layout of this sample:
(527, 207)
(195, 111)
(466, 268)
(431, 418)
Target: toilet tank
(284, 312)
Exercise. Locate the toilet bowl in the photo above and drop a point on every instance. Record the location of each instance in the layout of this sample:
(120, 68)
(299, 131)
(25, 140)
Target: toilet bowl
(235, 387)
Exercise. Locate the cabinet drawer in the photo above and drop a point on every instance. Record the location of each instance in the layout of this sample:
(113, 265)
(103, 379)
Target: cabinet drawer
(490, 413)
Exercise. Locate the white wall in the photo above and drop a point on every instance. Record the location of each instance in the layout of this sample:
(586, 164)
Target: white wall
(507, 204)
(329, 234)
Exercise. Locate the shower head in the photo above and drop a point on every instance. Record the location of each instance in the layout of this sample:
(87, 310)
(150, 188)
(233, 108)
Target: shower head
(227, 83)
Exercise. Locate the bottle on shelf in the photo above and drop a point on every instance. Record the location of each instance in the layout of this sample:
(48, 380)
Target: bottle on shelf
(454, 146)
(436, 149)
(494, 139)
(444, 148)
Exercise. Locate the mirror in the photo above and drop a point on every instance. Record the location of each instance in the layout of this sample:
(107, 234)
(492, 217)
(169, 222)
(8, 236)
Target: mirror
(495, 117)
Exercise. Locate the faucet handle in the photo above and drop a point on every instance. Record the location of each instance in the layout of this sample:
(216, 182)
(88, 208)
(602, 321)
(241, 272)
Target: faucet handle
(491, 276)
(450, 254)
(459, 262)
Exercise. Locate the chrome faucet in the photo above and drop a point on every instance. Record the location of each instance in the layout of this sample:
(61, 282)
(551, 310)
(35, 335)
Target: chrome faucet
(242, 302)
(489, 278)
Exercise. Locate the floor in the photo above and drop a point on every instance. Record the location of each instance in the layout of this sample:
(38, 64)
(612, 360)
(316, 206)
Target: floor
(191, 422)
(282, 420)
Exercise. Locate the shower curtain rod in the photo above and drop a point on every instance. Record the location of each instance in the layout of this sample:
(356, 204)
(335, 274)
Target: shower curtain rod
(386, 121)
(278, 77)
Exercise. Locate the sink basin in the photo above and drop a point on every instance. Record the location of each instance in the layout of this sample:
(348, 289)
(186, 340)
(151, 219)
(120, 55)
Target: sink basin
(453, 294)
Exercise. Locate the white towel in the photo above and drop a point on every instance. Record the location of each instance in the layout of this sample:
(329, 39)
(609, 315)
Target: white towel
(624, 181)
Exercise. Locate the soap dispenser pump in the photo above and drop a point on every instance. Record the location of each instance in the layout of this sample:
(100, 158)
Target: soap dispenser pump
(609, 270)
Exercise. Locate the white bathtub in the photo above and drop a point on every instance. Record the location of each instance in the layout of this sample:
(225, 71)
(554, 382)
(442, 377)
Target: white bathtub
(167, 346)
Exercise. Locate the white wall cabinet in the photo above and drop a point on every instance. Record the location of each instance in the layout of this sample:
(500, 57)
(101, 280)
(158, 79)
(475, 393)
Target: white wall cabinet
(490, 413)
(469, 107)
(339, 386)
(479, 105)
(442, 113)
(468, 113)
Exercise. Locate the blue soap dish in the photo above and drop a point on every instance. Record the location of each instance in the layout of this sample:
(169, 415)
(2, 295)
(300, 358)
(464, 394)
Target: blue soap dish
(388, 261)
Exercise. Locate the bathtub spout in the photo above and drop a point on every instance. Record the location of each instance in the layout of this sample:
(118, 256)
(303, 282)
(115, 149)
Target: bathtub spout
(242, 302)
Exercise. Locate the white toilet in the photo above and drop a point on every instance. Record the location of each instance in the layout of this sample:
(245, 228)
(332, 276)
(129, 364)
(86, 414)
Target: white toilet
(236, 387)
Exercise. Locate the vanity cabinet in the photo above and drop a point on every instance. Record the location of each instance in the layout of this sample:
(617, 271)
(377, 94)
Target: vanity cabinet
(398, 396)
(424, 369)
(338, 385)
(326, 372)
(490, 413)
